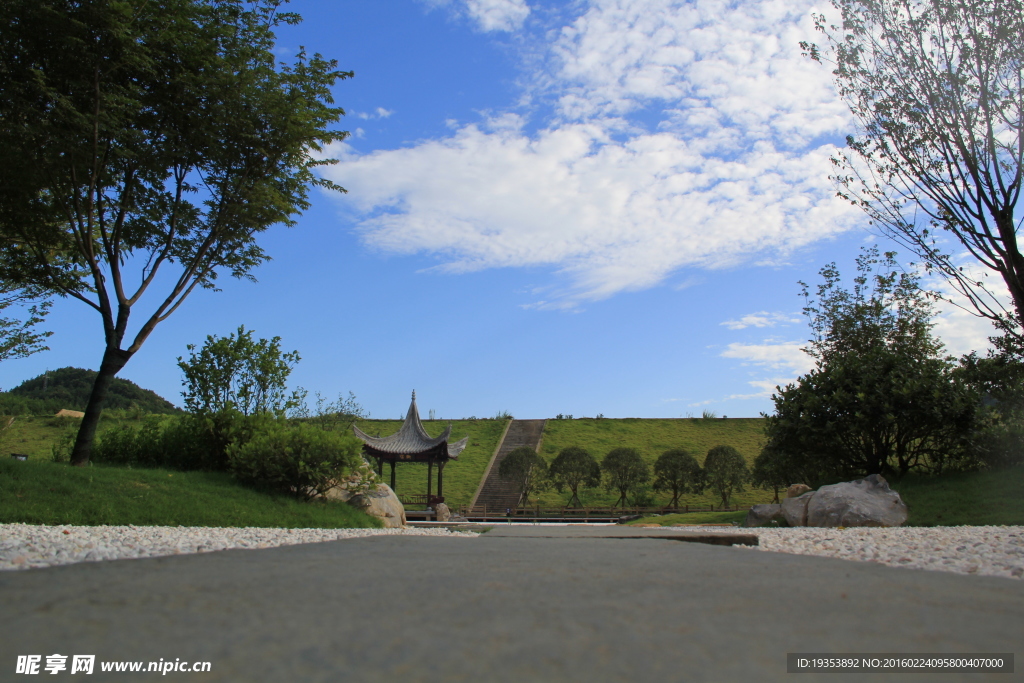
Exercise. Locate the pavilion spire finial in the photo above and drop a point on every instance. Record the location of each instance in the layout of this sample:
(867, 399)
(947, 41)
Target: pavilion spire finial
(414, 394)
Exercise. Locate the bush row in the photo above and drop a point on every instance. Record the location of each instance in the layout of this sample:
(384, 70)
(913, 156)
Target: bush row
(264, 450)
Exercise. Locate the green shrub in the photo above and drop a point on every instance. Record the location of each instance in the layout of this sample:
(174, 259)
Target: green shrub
(136, 445)
(297, 458)
(189, 442)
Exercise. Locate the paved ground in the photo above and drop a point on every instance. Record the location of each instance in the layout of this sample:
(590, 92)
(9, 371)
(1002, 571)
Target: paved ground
(518, 604)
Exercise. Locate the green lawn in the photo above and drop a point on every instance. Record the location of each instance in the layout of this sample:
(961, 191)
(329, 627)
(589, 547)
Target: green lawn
(462, 476)
(34, 435)
(40, 492)
(653, 437)
(972, 498)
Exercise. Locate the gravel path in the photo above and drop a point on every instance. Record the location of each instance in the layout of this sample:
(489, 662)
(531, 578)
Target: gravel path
(981, 550)
(26, 546)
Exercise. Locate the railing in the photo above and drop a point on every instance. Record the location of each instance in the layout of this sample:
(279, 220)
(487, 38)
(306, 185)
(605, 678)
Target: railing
(419, 499)
(591, 512)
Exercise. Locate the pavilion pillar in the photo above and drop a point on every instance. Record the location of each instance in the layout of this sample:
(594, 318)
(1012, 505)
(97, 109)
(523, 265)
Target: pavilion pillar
(440, 480)
(392, 475)
(430, 476)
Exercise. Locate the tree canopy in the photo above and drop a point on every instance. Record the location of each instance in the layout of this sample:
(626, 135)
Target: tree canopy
(725, 471)
(624, 470)
(937, 88)
(677, 471)
(235, 372)
(881, 399)
(154, 137)
(574, 468)
(18, 338)
(527, 469)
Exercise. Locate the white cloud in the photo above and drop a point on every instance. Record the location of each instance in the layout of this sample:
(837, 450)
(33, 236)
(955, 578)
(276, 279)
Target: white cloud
(489, 15)
(378, 113)
(786, 360)
(775, 355)
(498, 15)
(732, 169)
(761, 319)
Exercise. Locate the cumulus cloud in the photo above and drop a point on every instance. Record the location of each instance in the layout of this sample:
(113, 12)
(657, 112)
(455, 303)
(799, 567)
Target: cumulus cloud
(378, 113)
(498, 15)
(681, 136)
(785, 360)
(761, 319)
(489, 15)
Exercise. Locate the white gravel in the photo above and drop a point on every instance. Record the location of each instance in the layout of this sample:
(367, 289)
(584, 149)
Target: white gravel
(26, 546)
(980, 550)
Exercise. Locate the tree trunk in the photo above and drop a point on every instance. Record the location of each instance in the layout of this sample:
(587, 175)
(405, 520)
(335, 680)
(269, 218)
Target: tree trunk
(113, 361)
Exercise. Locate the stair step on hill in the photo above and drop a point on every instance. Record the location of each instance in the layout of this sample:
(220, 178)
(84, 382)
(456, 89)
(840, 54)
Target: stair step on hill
(496, 493)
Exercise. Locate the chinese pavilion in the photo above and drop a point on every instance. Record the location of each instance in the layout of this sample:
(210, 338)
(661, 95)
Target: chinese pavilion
(411, 443)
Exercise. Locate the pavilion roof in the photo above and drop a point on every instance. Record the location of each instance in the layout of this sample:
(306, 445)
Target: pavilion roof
(411, 438)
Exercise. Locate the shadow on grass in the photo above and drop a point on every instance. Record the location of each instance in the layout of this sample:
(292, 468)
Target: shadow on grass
(51, 493)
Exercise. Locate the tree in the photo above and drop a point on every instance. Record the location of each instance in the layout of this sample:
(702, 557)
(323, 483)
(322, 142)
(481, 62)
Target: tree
(624, 470)
(574, 468)
(17, 338)
(234, 372)
(157, 136)
(725, 471)
(677, 471)
(772, 469)
(937, 88)
(880, 400)
(527, 469)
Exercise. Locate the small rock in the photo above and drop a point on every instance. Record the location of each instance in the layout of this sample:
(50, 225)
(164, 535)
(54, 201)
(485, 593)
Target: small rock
(442, 512)
(797, 490)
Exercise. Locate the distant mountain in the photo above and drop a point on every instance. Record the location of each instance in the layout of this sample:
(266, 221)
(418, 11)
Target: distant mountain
(70, 387)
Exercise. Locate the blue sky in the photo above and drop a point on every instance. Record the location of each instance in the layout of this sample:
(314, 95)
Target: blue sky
(596, 206)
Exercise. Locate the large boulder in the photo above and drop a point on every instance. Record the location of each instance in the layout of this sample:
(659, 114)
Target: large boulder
(381, 503)
(864, 502)
(795, 509)
(763, 515)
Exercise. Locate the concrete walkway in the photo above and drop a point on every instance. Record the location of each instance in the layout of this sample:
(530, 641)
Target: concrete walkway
(518, 604)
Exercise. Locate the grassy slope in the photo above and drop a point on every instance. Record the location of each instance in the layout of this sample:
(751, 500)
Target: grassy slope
(652, 438)
(50, 493)
(461, 477)
(34, 435)
(973, 498)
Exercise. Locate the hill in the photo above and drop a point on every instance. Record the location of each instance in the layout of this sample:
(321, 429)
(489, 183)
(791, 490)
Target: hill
(652, 437)
(70, 387)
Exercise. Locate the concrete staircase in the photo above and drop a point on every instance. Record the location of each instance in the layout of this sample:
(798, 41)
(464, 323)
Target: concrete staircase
(496, 493)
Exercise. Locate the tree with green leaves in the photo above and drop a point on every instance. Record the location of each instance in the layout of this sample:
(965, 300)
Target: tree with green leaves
(237, 373)
(18, 339)
(160, 137)
(574, 468)
(937, 91)
(776, 470)
(624, 471)
(725, 471)
(678, 472)
(881, 399)
(527, 470)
